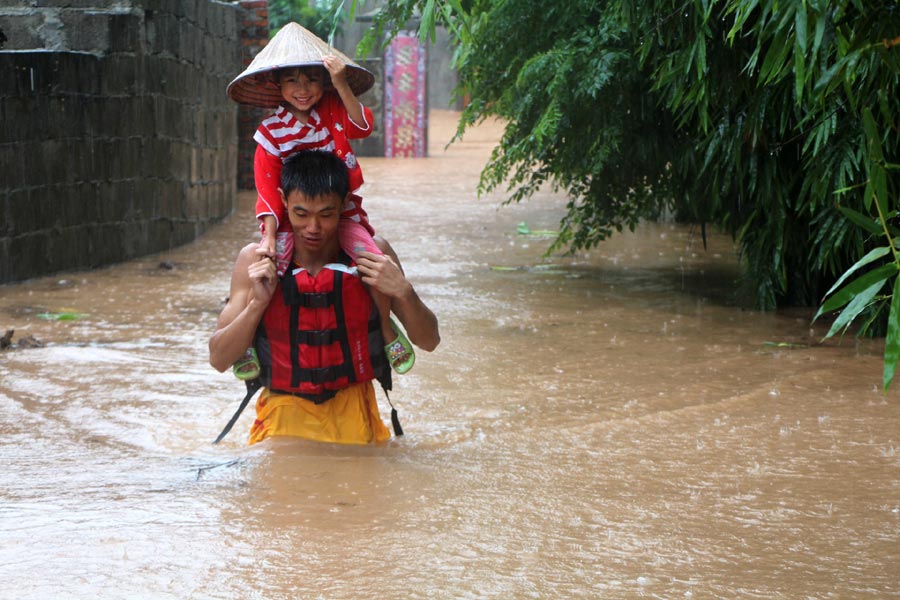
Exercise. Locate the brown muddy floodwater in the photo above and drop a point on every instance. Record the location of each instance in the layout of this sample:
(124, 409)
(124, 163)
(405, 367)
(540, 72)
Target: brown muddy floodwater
(608, 425)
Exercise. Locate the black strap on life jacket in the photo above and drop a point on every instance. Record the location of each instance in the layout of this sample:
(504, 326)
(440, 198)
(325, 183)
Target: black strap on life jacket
(253, 386)
(334, 299)
(341, 322)
(395, 418)
(325, 337)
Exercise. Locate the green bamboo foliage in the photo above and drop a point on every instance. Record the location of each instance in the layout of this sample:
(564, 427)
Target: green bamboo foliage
(778, 115)
(880, 267)
(322, 18)
(775, 120)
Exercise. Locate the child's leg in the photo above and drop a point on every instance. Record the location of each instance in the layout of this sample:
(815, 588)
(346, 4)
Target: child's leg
(284, 246)
(355, 238)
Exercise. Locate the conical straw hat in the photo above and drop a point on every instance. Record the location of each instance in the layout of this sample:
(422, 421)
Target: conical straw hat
(292, 46)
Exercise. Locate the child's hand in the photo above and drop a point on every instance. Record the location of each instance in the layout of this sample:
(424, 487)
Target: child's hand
(267, 244)
(263, 278)
(336, 68)
(266, 247)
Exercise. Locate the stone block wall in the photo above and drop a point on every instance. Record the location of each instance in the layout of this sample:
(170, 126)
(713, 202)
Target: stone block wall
(117, 137)
(255, 27)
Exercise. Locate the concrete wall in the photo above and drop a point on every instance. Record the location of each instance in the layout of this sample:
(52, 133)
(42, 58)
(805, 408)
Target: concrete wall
(117, 138)
(441, 78)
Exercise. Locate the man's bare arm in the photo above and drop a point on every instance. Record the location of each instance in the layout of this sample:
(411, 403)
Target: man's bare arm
(252, 282)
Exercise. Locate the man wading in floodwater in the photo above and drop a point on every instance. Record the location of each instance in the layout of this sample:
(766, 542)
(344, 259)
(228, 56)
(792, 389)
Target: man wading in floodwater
(316, 330)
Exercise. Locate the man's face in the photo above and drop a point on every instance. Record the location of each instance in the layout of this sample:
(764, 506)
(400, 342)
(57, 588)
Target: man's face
(314, 220)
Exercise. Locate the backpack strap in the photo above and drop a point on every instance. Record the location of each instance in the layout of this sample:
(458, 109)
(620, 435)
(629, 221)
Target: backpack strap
(395, 418)
(253, 386)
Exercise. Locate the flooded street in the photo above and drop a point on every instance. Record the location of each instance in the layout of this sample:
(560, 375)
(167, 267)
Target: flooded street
(608, 425)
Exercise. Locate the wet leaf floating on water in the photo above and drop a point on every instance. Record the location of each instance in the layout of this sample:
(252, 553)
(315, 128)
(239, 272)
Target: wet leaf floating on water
(524, 229)
(60, 316)
(548, 269)
(785, 345)
(499, 268)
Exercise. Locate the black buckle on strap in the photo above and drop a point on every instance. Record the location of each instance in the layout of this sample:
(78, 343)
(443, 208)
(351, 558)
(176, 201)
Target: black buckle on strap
(324, 374)
(324, 337)
(316, 299)
(293, 297)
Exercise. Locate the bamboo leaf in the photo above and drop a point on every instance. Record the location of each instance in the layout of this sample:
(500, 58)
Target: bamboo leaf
(773, 63)
(867, 223)
(848, 188)
(739, 18)
(800, 28)
(859, 302)
(846, 294)
(871, 256)
(456, 5)
(825, 80)
(866, 326)
(426, 27)
(892, 340)
(799, 76)
(875, 162)
(336, 21)
(872, 136)
(868, 194)
(701, 58)
(879, 187)
(821, 21)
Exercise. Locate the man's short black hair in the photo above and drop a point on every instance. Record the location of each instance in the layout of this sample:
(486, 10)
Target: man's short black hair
(315, 173)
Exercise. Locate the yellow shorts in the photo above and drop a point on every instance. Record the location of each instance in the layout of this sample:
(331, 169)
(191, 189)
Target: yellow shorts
(351, 417)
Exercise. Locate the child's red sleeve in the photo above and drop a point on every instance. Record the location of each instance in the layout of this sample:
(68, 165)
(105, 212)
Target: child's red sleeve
(267, 175)
(334, 106)
(358, 131)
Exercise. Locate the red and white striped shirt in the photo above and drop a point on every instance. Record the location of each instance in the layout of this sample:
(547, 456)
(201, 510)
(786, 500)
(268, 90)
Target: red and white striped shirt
(281, 135)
